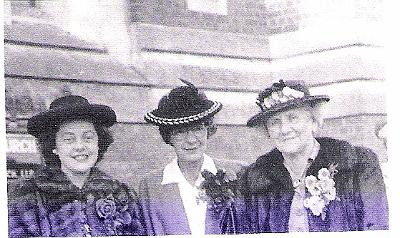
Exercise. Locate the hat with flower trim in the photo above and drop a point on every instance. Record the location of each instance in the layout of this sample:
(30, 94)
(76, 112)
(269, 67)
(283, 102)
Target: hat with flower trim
(183, 105)
(283, 96)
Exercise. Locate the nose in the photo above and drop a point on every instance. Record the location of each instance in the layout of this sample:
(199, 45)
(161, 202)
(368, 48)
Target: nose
(79, 145)
(286, 127)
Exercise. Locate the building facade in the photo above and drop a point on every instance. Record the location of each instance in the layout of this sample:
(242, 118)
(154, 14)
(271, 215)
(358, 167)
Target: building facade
(128, 53)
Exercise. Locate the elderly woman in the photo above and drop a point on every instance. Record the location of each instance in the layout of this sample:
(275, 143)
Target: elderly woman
(308, 183)
(171, 197)
(70, 196)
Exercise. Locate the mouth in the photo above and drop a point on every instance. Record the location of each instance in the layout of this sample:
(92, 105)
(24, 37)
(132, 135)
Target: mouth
(289, 138)
(80, 157)
(194, 149)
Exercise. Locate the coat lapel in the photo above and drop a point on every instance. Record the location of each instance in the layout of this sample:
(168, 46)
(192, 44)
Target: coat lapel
(171, 210)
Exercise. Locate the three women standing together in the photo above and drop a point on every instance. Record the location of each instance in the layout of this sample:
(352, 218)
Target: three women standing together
(304, 184)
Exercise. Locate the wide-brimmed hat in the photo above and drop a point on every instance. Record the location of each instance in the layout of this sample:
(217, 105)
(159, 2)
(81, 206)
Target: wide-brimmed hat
(69, 108)
(183, 105)
(283, 96)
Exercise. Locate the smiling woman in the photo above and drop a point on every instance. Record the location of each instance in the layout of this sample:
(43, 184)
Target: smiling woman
(69, 196)
(171, 197)
(308, 183)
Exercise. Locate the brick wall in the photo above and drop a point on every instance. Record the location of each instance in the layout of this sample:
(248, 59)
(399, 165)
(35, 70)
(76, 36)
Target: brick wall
(258, 17)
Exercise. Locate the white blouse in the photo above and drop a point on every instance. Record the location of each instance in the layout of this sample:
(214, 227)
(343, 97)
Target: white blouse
(195, 209)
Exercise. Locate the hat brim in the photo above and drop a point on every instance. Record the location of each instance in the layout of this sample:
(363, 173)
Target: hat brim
(152, 117)
(261, 117)
(100, 114)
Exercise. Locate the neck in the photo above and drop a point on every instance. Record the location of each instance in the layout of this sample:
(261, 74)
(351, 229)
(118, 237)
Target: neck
(78, 179)
(191, 169)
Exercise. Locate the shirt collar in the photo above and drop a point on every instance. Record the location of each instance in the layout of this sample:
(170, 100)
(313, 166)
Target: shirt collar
(173, 174)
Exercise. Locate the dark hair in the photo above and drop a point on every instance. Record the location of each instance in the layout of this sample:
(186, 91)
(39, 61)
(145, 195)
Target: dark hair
(166, 131)
(47, 143)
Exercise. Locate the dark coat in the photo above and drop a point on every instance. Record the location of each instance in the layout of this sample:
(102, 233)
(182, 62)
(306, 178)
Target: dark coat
(268, 191)
(164, 211)
(50, 205)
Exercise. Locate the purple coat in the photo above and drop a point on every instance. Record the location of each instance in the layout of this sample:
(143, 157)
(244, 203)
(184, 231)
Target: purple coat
(268, 191)
(164, 211)
(50, 205)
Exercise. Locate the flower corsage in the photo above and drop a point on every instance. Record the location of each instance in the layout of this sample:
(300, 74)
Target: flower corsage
(114, 210)
(218, 190)
(320, 191)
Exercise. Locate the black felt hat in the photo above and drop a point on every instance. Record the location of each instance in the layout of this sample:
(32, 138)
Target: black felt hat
(183, 106)
(282, 96)
(69, 108)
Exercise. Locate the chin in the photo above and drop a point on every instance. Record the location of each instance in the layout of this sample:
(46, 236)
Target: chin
(289, 149)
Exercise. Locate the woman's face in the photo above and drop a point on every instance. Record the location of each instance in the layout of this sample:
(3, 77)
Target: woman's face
(190, 143)
(77, 146)
(292, 131)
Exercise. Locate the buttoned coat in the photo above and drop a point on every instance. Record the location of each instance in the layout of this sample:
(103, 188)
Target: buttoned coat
(361, 204)
(164, 211)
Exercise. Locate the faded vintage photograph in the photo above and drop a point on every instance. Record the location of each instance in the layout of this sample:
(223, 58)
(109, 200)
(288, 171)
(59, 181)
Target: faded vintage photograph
(194, 117)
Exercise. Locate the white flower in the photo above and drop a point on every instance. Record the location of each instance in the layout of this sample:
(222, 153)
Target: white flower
(324, 174)
(315, 203)
(322, 191)
(267, 103)
(275, 96)
(331, 194)
(283, 98)
(312, 185)
(287, 91)
(326, 185)
(310, 181)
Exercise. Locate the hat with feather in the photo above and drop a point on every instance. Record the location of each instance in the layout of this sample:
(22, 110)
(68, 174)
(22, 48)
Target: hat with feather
(183, 105)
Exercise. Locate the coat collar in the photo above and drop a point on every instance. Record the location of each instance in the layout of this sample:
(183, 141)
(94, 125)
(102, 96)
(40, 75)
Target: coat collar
(331, 152)
(53, 180)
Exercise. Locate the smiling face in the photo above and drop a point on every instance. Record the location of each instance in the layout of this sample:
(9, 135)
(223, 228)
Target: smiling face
(292, 131)
(77, 146)
(190, 143)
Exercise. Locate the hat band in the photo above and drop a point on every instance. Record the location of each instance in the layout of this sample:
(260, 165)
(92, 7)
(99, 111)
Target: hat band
(182, 120)
(279, 97)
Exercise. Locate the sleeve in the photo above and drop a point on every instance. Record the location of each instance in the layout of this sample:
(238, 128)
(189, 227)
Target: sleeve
(372, 191)
(23, 215)
(154, 225)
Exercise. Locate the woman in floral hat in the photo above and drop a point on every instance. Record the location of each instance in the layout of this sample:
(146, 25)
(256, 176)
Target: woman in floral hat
(308, 183)
(70, 196)
(173, 200)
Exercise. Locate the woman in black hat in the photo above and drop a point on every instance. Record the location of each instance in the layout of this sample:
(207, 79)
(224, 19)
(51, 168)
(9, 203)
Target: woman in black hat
(308, 183)
(171, 197)
(70, 196)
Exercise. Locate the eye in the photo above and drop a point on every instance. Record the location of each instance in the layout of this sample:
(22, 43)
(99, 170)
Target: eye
(273, 122)
(68, 139)
(197, 128)
(89, 136)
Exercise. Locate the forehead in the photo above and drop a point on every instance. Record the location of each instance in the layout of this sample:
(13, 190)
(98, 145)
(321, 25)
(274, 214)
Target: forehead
(76, 125)
(193, 127)
(299, 111)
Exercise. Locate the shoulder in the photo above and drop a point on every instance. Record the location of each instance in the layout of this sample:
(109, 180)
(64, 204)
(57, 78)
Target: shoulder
(152, 181)
(21, 189)
(342, 150)
(229, 165)
(255, 177)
